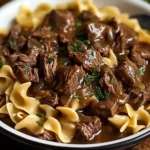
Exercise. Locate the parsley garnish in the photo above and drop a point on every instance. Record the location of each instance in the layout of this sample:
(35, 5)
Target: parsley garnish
(76, 96)
(79, 23)
(42, 116)
(92, 56)
(86, 41)
(79, 79)
(1, 64)
(51, 28)
(147, 1)
(12, 43)
(26, 68)
(77, 46)
(39, 123)
(51, 59)
(141, 73)
(100, 95)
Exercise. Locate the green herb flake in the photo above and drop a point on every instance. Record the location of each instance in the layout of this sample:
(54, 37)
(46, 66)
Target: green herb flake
(77, 46)
(51, 59)
(42, 116)
(12, 43)
(39, 123)
(79, 23)
(76, 96)
(92, 56)
(79, 78)
(147, 1)
(86, 42)
(51, 28)
(1, 64)
(141, 73)
(26, 68)
(100, 95)
(106, 96)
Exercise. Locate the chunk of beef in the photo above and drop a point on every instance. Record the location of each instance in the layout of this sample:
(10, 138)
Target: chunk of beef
(27, 74)
(126, 38)
(101, 36)
(88, 16)
(87, 127)
(128, 73)
(48, 38)
(137, 98)
(104, 109)
(13, 57)
(136, 57)
(87, 57)
(109, 82)
(67, 79)
(4, 50)
(48, 64)
(63, 22)
(47, 97)
(16, 43)
(47, 135)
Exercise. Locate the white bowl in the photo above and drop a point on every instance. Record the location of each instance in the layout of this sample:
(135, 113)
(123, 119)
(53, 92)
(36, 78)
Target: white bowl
(9, 11)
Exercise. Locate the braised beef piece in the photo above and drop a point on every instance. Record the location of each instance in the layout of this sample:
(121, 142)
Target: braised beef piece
(47, 97)
(47, 135)
(63, 22)
(101, 36)
(128, 73)
(48, 63)
(89, 58)
(109, 82)
(136, 57)
(138, 98)
(104, 109)
(126, 38)
(27, 74)
(68, 79)
(48, 38)
(87, 127)
(87, 16)
(13, 57)
(4, 50)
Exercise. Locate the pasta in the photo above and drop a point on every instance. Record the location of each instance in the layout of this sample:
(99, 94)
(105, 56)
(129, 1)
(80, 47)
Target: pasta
(131, 119)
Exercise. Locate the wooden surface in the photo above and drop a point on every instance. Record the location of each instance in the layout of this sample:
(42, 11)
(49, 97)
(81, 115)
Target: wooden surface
(14, 145)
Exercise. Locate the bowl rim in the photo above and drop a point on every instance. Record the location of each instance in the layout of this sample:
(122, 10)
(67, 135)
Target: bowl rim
(127, 140)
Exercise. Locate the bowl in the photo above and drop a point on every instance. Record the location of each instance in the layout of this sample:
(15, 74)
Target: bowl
(8, 12)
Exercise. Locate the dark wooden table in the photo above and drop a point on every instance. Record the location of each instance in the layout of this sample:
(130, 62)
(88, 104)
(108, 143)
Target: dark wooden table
(7, 143)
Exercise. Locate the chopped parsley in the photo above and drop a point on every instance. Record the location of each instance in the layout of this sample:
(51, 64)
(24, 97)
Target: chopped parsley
(26, 68)
(147, 1)
(141, 73)
(12, 43)
(92, 56)
(51, 59)
(42, 116)
(51, 28)
(79, 23)
(79, 78)
(77, 46)
(93, 76)
(39, 123)
(86, 41)
(1, 64)
(100, 95)
(76, 96)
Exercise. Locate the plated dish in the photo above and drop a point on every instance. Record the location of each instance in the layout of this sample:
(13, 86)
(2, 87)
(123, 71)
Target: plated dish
(75, 73)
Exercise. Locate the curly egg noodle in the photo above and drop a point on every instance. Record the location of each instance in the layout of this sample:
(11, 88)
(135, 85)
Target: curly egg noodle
(22, 108)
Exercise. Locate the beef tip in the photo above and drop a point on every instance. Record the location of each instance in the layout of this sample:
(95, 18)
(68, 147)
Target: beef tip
(101, 36)
(88, 16)
(47, 135)
(48, 64)
(48, 38)
(67, 79)
(128, 73)
(63, 22)
(87, 57)
(16, 43)
(136, 57)
(47, 97)
(104, 109)
(4, 50)
(137, 98)
(109, 82)
(87, 127)
(13, 57)
(126, 38)
(27, 74)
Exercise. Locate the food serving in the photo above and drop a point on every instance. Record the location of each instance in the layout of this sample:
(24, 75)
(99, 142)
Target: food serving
(75, 73)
